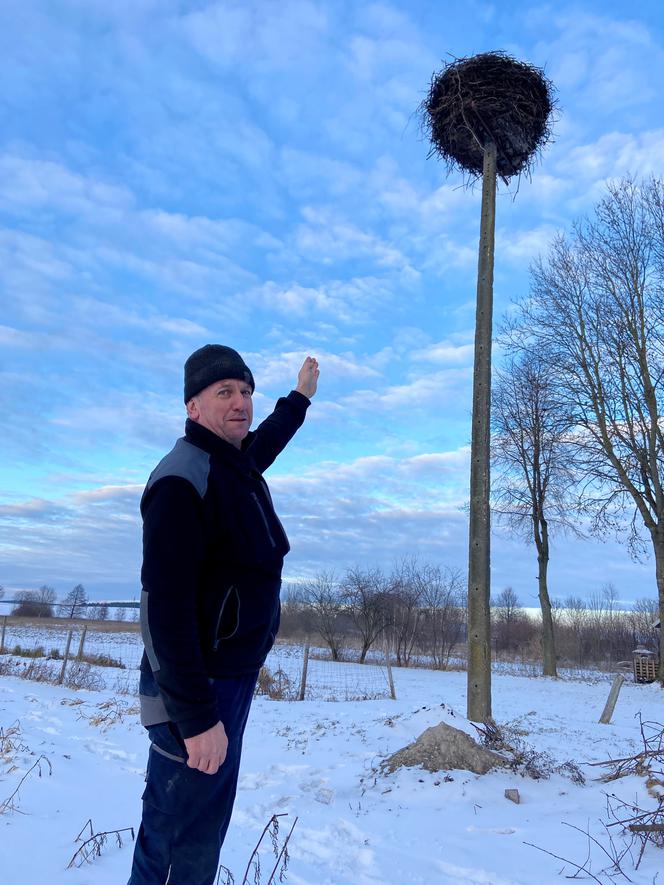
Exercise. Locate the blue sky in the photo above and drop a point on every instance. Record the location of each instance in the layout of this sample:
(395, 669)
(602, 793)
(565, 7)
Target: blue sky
(254, 174)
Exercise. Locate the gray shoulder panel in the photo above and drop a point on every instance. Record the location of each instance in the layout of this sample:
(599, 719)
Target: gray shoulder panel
(187, 461)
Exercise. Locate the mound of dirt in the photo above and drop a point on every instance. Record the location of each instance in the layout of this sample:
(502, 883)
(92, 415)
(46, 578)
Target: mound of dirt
(442, 748)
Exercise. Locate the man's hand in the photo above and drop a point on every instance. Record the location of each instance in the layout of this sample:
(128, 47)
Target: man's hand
(207, 750)
(307, 378)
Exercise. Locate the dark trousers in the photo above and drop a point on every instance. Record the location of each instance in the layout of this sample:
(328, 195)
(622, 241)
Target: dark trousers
(186, 812)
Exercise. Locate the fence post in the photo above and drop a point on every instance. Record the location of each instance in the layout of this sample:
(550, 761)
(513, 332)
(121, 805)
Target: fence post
(390, 679)
(610, 705)
(2, 637)
(305, 667)
(81, 644)
(66, 658)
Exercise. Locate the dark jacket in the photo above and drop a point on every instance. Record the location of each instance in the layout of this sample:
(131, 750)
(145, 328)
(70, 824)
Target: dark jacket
(213, 550)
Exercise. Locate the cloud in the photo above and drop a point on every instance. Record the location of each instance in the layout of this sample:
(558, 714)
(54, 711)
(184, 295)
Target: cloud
(610, 63)
(522, 246)
(617, 154)
(28, 185)
(327, 237)
(93, 538)
(280, 369)
(417, 395)
(275, 38)
(372, 509)
(348, 301)
(446, 352)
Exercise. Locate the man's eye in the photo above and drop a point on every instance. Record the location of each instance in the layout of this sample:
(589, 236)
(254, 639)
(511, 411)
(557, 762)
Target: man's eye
(246, 393)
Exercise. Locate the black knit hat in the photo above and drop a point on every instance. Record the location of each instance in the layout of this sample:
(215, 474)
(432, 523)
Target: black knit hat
(211, 363)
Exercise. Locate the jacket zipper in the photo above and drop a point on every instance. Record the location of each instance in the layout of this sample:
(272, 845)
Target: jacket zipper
(265, 522)
(217, 638)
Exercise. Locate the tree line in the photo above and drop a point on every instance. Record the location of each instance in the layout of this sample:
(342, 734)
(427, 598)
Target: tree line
(43, 603)
(418, 613)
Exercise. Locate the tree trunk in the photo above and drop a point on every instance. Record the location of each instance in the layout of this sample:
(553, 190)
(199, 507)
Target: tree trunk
(548, 641)
(658, 546)
(479, 561)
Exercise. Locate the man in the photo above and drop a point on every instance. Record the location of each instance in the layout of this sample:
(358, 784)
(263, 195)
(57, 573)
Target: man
(213, 550)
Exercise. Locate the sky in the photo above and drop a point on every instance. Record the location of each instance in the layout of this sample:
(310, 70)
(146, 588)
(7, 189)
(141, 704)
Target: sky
(255, 174)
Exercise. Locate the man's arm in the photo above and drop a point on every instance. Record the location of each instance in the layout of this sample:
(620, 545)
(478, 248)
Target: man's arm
(173, 555)
(273, 434)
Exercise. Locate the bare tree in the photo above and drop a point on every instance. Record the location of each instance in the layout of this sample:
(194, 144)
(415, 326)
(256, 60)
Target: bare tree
(322, 594)
(402, 610)
(507, 614)
(364, 594)
(74, 603)
(645, 612)
(27, 605)
(574, 620)
(596, 314)
(35, 603)
(534, 482)
(45, 598)
(444, 606)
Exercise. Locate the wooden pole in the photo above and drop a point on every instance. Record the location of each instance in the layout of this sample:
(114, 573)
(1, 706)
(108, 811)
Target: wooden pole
(2, 637)
(390, 678)
(81, 644)
(479, 556)
(66, 658)
(305, 667)
(610, 705)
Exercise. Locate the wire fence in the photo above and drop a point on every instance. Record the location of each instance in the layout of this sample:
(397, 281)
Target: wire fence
(97, 656)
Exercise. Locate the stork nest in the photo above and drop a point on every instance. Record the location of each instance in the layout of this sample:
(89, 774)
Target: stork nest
(488, 98)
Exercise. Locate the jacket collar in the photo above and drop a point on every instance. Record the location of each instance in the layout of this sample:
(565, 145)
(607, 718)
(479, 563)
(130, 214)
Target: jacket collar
(208, 441)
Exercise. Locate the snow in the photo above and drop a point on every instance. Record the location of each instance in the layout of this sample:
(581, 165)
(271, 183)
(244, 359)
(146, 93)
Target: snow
(318, 761)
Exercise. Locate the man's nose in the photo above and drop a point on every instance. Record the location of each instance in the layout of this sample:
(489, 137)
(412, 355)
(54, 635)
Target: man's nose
(237, 401)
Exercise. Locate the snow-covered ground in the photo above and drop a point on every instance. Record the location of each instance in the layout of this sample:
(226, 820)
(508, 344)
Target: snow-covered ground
(317, 761)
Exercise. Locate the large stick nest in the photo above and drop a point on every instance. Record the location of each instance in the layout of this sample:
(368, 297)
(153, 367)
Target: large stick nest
(488, 98)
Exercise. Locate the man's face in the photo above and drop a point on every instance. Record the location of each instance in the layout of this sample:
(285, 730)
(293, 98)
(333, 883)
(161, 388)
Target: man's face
(225, 408)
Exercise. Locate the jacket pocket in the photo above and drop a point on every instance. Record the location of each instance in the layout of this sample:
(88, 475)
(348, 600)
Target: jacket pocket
(228, 620)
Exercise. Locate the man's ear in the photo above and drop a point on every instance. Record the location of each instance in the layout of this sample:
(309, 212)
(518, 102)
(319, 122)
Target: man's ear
(192, 409)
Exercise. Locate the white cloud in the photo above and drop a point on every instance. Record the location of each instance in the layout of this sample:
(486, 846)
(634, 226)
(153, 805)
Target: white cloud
(346, 301)
(415, 397)
(273, 36)
(616, 154)
(602, 59)
(521, 247)
(328, 237)
(446, 352)
(279, 369)
(29, 184)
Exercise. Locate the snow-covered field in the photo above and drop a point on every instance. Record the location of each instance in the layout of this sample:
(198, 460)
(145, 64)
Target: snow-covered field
(317, 761)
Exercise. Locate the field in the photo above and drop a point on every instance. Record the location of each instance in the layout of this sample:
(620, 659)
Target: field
(79, 755)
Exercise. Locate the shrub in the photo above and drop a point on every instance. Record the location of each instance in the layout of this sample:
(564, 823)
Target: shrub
(277, 686)
(36, 652)
(102, 661)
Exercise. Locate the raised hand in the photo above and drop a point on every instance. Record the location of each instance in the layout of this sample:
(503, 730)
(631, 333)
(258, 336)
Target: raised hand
(307, 378)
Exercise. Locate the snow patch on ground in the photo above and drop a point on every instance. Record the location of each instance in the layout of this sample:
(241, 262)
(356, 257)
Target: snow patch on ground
(319, 761)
